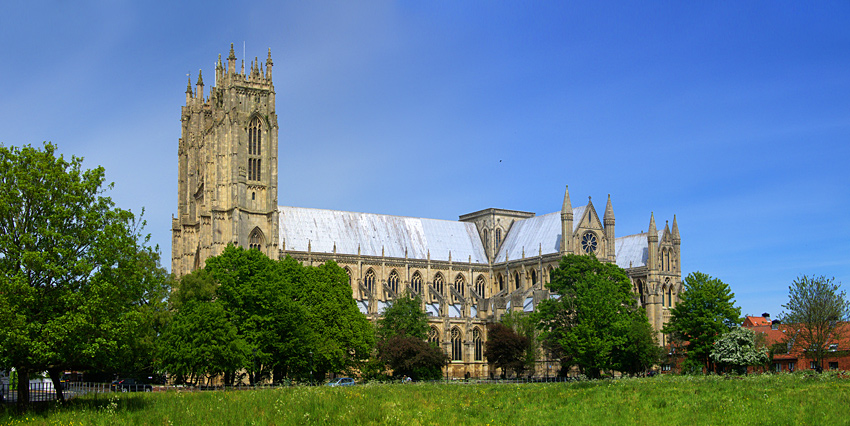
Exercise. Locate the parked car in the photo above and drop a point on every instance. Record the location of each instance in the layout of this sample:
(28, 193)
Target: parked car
(342, 381)
(130, 385)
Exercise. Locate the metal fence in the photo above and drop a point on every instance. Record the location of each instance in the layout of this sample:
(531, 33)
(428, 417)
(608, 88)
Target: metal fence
(44, 391)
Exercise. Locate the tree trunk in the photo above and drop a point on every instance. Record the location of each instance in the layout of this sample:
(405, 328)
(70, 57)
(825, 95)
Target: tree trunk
(56, 378)
(23, 389)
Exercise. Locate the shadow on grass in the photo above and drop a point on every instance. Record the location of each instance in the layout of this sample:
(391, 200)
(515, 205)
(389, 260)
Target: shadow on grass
(96, 403)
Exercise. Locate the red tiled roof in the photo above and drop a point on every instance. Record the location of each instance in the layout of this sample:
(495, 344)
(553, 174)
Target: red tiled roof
(750, 322)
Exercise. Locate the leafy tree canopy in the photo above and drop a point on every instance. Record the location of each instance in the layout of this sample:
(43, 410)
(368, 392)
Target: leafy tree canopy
(75, 271)
(815, 310)
(404, 317)
(590, 321)
(706, 310)
(505, 349)
(297, 321)
(401, 343)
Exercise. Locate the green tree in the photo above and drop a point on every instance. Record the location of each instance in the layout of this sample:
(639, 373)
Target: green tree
(403, 317)
(402, 345)
(71, 288)
(523, 324)
(589, 322)
(505, 349)
(201, 342)
(639, 349)
(342, 336)
(261, 299)
(816, 308)
(706, 310)
(737, 350)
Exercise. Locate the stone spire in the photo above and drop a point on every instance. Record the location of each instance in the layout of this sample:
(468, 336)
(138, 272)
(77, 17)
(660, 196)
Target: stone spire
(199, 87)
(231, 61)
(653, 231)
(269, 64)
(676, 238)
(652, 243)
(608, 221)
(609, 211)
(189, 93)
(566, 245)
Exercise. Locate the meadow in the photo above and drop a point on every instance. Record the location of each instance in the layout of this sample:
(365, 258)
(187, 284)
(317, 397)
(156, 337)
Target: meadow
(782, 399)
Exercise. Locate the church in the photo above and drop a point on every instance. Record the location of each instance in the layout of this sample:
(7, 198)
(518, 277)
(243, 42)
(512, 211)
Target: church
(468, 272)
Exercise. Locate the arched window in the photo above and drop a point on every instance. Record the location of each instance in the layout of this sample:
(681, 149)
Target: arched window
(255, 241)
(416, 283)
(255, 132)
(457, 345)
(498, 237)
(438, 283)
(668, 289)
(392, 281)
(434, 335)
(533, 277)
(516, 280)
(501, 282)
(460, 285)
(549, 278)
(641, 292)
(348, 271)
(486, 239)
(480, 285)
(369, 280)
(479, 346)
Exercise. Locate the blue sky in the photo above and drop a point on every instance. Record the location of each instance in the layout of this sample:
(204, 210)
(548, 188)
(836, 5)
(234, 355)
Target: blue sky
(735, 117)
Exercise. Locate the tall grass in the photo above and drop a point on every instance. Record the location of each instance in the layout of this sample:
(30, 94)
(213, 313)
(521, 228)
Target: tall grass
(755, 400)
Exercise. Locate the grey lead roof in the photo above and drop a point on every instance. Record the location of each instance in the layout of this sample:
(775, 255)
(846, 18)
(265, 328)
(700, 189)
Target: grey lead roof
(375, 233)
(632, 250)
(536, 235)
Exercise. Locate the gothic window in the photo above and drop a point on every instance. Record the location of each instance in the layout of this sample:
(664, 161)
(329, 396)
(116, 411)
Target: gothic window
(433, 335)
(669, 287)
(486, 238)
(550, 273)
(438, 283)
(348, 272)
(369, 280)
(254, 149)
(498, 237)
(416, 282)
(533, 277)
(460, 284)
(256, 240)
(457, 345)
(479, 346)
(501, 282)
(641, 292)
(392, 281)
(588, 242)
(480, 284)
(516, 280)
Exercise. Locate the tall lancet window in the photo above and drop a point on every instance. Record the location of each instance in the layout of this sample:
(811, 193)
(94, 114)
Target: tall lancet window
(255, 132)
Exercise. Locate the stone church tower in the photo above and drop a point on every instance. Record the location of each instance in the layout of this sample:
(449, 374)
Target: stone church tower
(227, 190)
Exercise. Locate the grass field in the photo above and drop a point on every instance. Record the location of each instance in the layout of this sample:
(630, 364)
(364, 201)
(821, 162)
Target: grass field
(786, 399)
